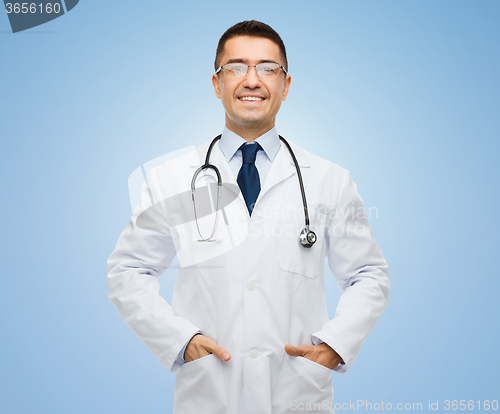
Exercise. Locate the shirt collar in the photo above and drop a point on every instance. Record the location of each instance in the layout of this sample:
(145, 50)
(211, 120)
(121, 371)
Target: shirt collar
(231, 142)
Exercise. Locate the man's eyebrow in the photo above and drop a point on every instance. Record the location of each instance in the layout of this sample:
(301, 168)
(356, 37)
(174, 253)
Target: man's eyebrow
(242, 60)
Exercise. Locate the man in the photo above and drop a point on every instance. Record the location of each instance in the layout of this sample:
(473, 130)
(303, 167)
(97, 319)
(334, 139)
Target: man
(248, 329)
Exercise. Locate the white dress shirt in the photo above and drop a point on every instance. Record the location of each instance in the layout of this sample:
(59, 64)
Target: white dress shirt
(231, 142)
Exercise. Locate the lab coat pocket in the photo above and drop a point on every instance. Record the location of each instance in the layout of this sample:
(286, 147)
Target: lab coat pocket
(304, 386)
(200, 387)
(292, 256)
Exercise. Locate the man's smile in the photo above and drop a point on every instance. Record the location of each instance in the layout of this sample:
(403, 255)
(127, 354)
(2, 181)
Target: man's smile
(251, 98)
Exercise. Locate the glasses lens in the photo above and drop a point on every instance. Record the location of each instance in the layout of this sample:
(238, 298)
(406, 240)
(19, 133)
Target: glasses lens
(235, 69)
(268, 69)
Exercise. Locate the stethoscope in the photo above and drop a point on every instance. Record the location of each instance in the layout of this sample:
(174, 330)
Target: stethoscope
(306, 237)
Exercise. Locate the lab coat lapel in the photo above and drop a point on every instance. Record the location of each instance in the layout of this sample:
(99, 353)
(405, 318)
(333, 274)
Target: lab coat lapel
(283, 167)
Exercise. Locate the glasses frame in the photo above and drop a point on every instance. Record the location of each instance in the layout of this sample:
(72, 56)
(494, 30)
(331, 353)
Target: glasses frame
(252, 66)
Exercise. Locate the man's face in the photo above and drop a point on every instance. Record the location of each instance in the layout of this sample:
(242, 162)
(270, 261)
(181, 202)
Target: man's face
(251, 115)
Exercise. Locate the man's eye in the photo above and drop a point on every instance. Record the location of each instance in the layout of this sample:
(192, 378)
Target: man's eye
(238, 68)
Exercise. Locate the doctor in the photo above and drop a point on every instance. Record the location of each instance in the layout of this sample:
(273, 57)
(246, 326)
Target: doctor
(248, 328)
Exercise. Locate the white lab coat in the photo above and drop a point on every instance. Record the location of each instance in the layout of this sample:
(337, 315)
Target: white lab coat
(256, 289)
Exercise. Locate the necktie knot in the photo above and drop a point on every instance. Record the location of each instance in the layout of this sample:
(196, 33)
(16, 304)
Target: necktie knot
(249, 152)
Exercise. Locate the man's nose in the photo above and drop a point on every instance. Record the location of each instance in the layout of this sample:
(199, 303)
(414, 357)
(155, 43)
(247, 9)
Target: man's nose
(252, 80)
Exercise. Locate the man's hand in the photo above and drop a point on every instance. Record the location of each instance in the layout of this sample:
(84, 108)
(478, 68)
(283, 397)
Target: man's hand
(321, 354)
(200, 346)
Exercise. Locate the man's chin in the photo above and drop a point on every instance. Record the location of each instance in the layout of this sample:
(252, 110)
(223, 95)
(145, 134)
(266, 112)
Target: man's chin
(252, 119)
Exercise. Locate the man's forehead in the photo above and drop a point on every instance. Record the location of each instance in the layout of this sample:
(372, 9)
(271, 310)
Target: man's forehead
(251, 48)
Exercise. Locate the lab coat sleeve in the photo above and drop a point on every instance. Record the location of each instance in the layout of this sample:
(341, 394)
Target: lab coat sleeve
(140, 257)
(180, 358)
(362, 275)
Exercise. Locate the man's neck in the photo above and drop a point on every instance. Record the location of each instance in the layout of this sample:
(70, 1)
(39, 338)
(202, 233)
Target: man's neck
(249, 134)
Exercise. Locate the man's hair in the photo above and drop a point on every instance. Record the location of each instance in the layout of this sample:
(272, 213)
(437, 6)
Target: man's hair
(252, 28)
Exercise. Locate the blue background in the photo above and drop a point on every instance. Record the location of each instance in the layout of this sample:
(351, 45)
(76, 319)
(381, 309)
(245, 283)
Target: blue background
(404, 94)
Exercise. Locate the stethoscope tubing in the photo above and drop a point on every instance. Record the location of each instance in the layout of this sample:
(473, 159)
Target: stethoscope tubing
(205, 166)
(299, 174)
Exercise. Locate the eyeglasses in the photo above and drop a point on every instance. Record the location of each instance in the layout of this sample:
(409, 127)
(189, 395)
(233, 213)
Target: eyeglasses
(268, 69)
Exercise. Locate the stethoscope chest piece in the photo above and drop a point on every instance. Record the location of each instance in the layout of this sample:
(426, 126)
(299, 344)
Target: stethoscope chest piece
(307, 238)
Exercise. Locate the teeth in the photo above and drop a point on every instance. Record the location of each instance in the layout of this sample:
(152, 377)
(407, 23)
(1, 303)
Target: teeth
(251, 98)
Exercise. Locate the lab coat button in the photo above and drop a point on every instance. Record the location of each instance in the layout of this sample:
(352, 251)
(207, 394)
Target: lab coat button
(254, 354)
(251, 285)
(243, 217)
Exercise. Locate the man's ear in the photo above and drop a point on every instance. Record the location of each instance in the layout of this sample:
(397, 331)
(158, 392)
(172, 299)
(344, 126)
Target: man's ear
(286, 86)
(216, 83)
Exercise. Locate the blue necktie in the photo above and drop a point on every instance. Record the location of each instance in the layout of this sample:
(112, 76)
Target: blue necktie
(248, 177)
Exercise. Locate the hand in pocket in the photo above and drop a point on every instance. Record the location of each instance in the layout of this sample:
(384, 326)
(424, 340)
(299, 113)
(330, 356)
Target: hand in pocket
(321, 354)
(200, 346)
